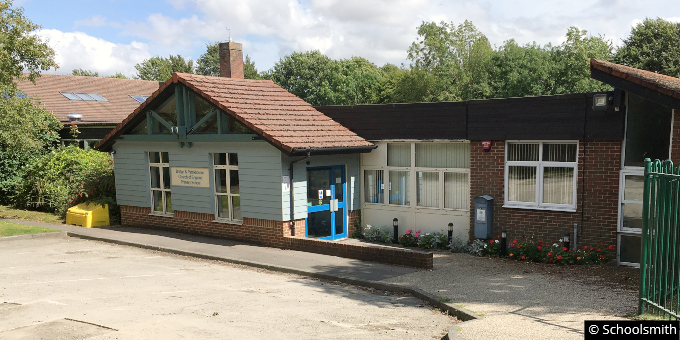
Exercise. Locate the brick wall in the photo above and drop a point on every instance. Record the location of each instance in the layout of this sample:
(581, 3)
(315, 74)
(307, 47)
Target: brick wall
(273, 234)
(597, 196)
(675, 139)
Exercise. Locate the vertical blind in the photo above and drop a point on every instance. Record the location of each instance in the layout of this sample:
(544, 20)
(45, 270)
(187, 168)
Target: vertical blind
(456, 190)
(399, 154)
(428, 189)
(443, 155)
(373, 183)
(399, 188)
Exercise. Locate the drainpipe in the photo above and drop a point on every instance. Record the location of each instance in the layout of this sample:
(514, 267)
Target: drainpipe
(292, 196)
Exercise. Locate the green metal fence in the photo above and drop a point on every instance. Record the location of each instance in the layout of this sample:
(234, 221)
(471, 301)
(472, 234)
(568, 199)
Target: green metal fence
(660, 254)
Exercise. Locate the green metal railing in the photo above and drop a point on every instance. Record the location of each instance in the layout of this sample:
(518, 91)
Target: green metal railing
(660, 256)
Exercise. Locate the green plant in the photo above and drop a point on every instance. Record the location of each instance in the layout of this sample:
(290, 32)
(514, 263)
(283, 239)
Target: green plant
(376, 234)
(358, 228)
(459, 245)
(532, 250)
(435, 240)
(409, 239)
(66, 177)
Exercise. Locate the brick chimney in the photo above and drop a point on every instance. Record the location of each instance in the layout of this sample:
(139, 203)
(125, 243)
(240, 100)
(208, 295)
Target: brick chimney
(231, 60)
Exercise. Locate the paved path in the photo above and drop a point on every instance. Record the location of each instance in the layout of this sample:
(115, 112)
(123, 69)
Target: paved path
(509, 303)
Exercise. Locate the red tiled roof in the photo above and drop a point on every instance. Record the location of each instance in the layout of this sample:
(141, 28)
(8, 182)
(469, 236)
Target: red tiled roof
(286, 121)
(667, 85)
(116, 91)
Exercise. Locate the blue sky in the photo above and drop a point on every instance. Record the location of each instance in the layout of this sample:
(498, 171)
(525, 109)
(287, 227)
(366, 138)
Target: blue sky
(110, 36)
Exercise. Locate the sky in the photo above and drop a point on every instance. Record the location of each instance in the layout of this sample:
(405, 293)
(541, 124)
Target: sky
(109, 36)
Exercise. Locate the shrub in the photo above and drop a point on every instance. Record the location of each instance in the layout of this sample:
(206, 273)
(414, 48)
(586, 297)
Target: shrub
(65, 177)
(376, 234)
(536, 251)
(409, 239)
(459, 245)
(434, 240)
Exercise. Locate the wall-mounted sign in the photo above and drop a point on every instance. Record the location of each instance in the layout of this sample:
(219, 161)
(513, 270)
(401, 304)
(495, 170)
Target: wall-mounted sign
(285, 184)
(190, 177)
(486, 145)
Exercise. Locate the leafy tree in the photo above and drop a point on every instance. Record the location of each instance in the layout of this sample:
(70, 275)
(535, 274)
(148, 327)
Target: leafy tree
(118, 75)
(572, 62)
(311, 76)
(653, 46)
(161, 69)
(208, 63)
(20, 50)
(458, 56)
(85, 73)
(518, 71)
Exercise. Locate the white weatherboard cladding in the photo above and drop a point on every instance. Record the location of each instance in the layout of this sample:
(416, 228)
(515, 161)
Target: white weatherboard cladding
(351, 163)
(259, 176)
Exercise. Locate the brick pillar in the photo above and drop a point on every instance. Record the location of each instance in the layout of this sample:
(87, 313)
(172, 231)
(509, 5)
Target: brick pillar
(231, 60)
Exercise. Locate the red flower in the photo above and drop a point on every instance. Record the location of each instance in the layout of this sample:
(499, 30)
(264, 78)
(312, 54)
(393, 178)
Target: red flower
(611, 248)
(514, 241)
(585, 247)
(550, 254)
(522, 257)
(520, 246)
(601, 242)
(559, 257)
(539, 241)
(539, 247)
(598, 249)
(565, 248)
(591, 248)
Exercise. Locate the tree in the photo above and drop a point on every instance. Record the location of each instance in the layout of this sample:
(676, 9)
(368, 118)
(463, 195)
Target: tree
(572, 62)
(161, 69)
(653, 46)
(85, 73)
(208, 63)
(518, 71)
(20, 49)
(118, 75)
(458, 57)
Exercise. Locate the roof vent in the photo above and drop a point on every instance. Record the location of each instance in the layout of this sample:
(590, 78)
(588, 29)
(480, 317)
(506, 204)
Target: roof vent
(75, 117)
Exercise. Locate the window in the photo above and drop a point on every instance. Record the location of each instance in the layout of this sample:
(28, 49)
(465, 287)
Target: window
(541, 175)
(437, 172)
(87, 97)
(159, 170)
(139, 98)
(227, 196)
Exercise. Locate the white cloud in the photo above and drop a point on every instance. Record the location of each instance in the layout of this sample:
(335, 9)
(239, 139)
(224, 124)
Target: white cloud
(79, 50)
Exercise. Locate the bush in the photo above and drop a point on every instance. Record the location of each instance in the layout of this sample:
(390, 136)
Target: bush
(66, 177)
(409, 239)
(434, 240)
(377, 234)
(536, 251)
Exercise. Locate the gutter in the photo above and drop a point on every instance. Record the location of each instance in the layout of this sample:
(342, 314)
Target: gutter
(332, 151)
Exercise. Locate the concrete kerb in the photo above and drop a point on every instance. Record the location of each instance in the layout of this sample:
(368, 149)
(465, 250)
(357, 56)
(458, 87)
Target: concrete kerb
(433, 300)
(59, 234)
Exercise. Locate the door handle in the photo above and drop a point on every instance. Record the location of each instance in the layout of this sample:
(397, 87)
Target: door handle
(334, 205)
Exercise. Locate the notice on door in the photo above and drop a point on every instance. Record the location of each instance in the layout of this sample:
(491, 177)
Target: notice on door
(190, 177)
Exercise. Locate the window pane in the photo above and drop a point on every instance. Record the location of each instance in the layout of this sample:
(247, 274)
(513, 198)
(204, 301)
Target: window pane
(168, 111)
(629, 248)
(522, 183)
(443, 155)
(398, 154)
(632, 215)
(559, 152)
(456, 191)
(233, 159)
(522, 152)
(236, 204)
(558, 185)
(373, 186)
(202, 109)
(221, 180)
(168, 202)
(164, 157)
(233, 181)
(220, 159)
(237, 127)
(222, 206)
(337, 183)
(648, 131)
(166, 177)
(157, 200)
(399, 184)
(633, 188)
(155, 177)
(428, 189)
(154, 157)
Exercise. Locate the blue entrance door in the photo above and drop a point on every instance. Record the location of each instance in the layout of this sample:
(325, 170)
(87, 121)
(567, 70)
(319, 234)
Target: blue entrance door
(326, 203)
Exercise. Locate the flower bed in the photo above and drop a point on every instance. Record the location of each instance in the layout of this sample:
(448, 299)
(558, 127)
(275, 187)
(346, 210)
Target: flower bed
(536, 251)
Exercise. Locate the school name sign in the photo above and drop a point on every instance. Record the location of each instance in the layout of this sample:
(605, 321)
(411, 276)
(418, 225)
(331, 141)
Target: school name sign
(190, 177)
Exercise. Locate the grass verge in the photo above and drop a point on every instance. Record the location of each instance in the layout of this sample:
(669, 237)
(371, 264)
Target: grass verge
(12, 229)
(9, 212)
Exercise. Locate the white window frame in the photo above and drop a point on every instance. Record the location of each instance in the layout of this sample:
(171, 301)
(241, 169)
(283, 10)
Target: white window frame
(413, 184)
(229, 195)
(160, 165)
(540, 165)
